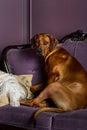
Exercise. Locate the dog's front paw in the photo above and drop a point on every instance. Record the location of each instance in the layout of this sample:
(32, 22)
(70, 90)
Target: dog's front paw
(34, 102)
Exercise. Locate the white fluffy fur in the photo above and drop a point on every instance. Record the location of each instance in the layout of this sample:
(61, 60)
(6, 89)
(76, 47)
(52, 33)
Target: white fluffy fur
(13, 89)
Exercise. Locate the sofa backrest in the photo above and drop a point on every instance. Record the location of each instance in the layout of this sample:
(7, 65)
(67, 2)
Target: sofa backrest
(24, 61)
(27, 61)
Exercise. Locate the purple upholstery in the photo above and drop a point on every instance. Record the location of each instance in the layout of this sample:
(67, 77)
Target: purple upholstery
(22, 116)
(26, 61)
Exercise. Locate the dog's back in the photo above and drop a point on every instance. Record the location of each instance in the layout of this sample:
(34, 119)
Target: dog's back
(64, 67)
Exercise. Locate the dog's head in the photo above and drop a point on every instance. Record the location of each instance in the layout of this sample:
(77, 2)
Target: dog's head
(44, 43)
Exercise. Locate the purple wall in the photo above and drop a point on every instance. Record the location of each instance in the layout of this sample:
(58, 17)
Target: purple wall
(13, 22)
(59, 17)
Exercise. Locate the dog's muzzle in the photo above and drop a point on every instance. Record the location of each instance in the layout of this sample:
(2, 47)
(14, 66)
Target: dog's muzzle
(39, 51)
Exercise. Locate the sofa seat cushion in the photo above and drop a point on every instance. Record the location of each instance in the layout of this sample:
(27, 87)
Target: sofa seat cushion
(74, 120)
(22, 117)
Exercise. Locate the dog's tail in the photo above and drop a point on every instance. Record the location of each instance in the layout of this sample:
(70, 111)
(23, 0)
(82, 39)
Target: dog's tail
(46, 109)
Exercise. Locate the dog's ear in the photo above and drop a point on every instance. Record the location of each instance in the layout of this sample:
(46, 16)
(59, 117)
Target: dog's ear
(34, 40)
(54, 42)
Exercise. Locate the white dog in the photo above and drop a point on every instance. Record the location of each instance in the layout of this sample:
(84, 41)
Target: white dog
(15, 87)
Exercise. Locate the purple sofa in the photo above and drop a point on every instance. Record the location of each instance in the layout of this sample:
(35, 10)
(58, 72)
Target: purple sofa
(23, 59)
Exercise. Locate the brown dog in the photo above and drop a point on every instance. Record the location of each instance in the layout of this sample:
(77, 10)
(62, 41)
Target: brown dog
(67, 83)
(44, 43)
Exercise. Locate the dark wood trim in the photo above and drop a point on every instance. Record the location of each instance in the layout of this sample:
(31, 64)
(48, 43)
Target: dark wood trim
(78, 35)
(5, 65)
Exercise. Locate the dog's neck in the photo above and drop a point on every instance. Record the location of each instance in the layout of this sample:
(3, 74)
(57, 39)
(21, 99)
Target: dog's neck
(56, 49)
